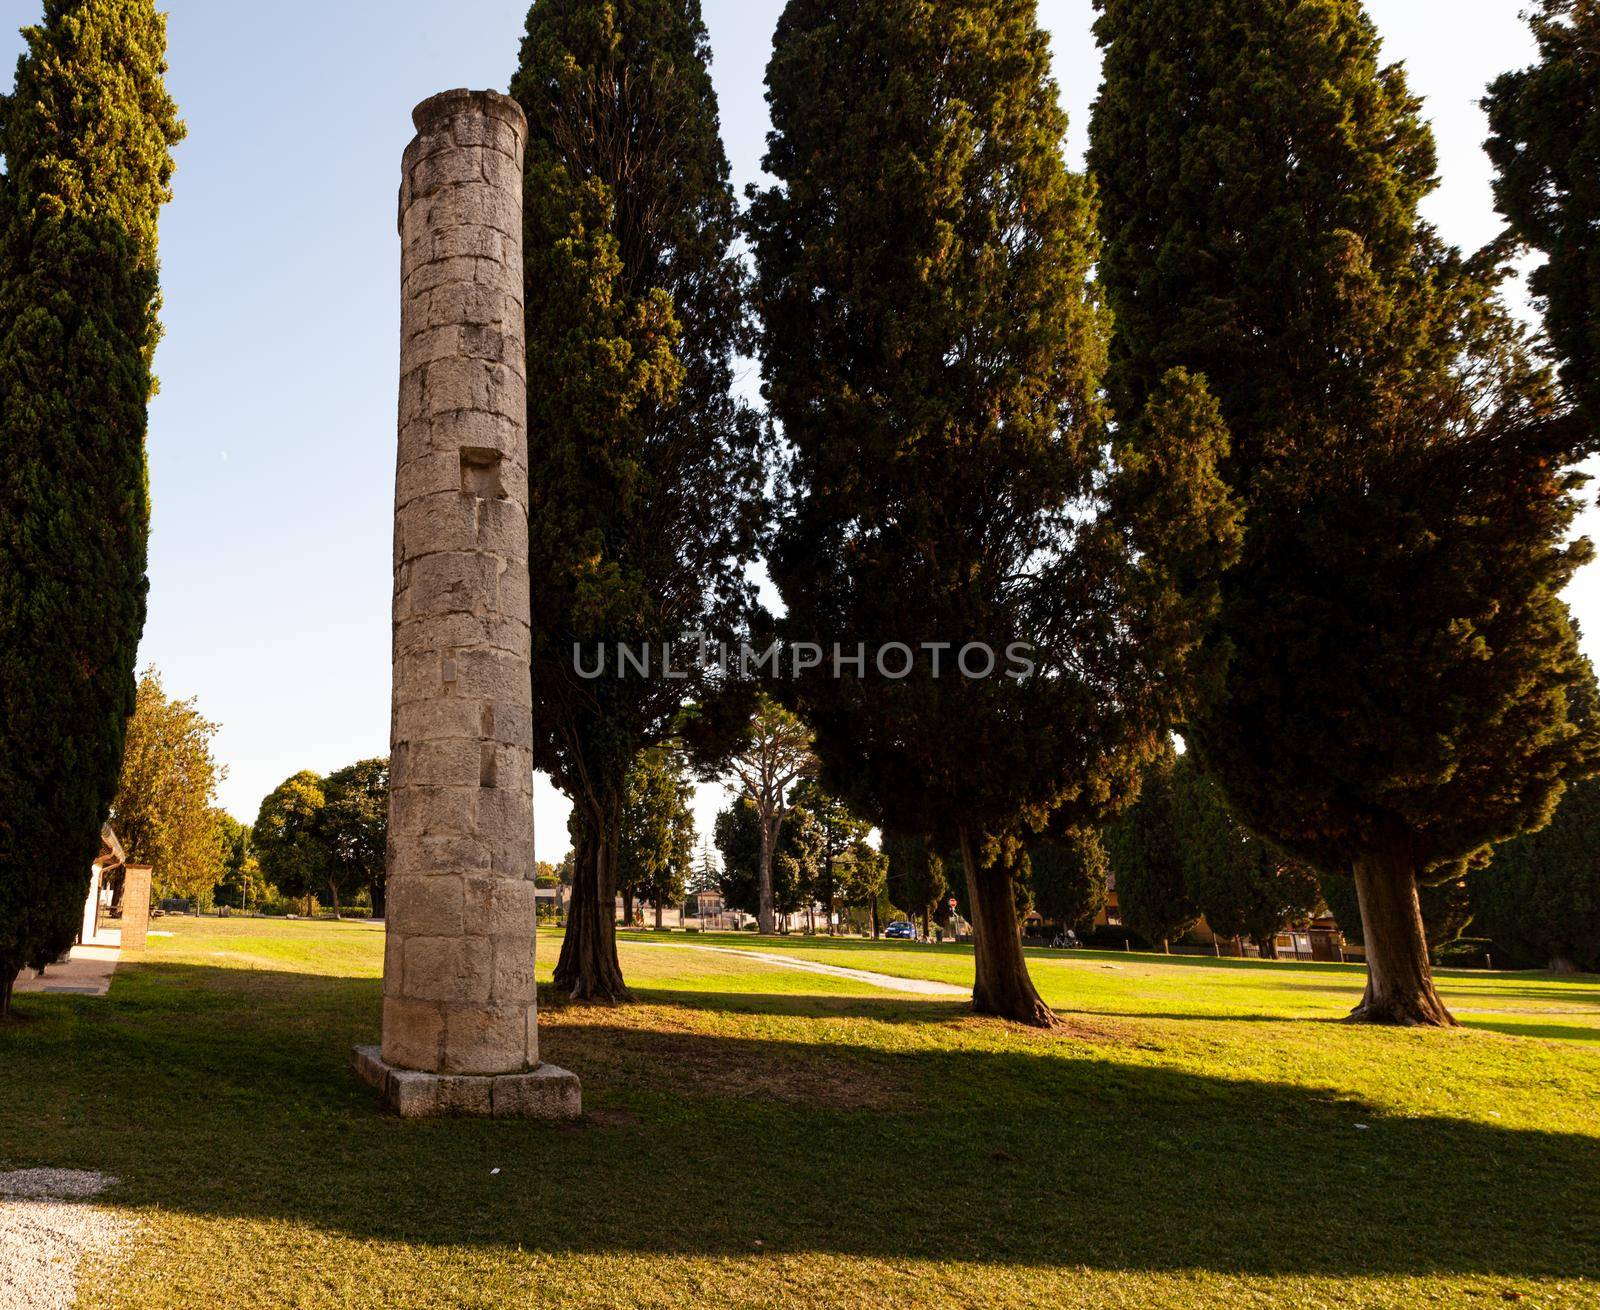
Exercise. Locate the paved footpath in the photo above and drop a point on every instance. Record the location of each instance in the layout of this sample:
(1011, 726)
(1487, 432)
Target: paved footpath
(87, 972)
(887, 982)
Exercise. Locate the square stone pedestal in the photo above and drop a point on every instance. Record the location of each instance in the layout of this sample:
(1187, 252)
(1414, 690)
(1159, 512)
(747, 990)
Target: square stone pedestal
(542, 1093)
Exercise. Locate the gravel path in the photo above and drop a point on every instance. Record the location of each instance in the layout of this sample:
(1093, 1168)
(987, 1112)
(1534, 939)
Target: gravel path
(887, 982)
(47, 1230)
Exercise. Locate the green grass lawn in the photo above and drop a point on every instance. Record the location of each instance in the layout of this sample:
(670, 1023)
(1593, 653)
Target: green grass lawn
(1199, 1134)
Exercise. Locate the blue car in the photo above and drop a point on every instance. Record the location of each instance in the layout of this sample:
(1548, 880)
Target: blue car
(901, 929)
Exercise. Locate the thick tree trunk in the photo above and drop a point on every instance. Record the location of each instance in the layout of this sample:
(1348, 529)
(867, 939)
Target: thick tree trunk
(1561, 964)
(8, 979)
(1267, 945)
(658, 916)
(627, 909)
(766, 910)
(1399, 973)
(1001, 985)
(588, 969)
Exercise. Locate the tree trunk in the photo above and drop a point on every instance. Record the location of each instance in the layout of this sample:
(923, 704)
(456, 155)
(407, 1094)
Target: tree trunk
(766, 912)
(658, 916)
(1001, 985)
(874, 920)
(1562, 964)
(1267, 946)
(333, 895)
(1399, 973)
(8, 980)
(379, 898)
(627, 909)
(588, 969)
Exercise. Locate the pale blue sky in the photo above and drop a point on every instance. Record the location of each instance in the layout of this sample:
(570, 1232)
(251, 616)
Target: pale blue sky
(272, 443)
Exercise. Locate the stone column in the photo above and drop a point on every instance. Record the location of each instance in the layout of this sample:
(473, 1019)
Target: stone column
(459, 1020)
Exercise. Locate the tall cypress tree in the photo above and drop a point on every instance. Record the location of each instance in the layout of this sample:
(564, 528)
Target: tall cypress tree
(933, 348)
(1545, 142)
(1402, 665)
(646, 497)
(86, 135)
(1240, 883)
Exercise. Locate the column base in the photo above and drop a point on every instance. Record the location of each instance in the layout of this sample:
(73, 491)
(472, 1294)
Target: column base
(543, 1093)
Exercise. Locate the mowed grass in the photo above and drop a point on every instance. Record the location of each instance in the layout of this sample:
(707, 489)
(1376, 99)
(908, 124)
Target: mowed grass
(1200, 1133)
(1194, 987)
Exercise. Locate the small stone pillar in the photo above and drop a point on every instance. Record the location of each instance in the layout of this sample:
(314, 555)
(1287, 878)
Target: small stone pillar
(459, 1023)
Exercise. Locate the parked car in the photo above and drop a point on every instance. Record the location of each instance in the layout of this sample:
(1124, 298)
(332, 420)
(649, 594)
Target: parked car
(902, 929)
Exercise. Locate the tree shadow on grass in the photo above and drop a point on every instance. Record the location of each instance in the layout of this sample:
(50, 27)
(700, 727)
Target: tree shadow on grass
(223, 1092)
(1553, 1032)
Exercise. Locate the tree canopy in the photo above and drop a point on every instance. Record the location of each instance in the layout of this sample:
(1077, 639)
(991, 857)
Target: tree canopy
(86, 135)
(655, 845)
(647, 497)
(288, 836)
(1240, 883)
(353, 827)
(933, 348)
(1148, 847)
(1539, 900)
(1545, 143)
(796, 857)
(1069, 876)
(1401, 664)
(164, 813)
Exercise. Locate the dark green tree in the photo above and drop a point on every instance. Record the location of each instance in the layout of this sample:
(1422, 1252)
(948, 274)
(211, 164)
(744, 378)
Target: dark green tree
(238, 872)
(1149, 857)
(647, 485)
(798, 863)
(655, 845)
(1068, 876)
(933, 348)
(917, 879)
(86, 136)
(1240, 883)
(862, 877)
(795, 859)
(1539, 901)
(843, 831)
(1545, 143)
(1401, 662)
(353, 825)
(290, 839)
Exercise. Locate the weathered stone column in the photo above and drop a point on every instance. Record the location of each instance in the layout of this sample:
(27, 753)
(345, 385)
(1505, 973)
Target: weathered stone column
(459, 1017)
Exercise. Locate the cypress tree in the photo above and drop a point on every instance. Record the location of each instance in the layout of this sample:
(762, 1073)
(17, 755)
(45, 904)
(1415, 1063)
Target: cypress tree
(86, 135)
(1540, 899)
(1240, 883)
(1069, 878)
(933, 348)
(646, 481)
(1545, 142)
(1401, 663)
(1149, 854)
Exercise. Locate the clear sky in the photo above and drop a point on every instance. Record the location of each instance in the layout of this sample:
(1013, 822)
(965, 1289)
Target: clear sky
(272, 443)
